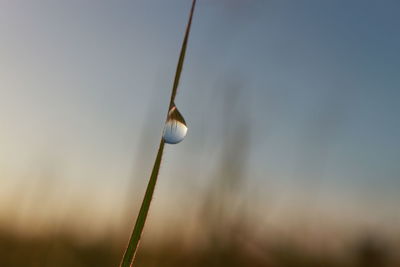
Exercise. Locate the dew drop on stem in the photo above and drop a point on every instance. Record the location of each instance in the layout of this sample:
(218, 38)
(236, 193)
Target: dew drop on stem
(175, 128)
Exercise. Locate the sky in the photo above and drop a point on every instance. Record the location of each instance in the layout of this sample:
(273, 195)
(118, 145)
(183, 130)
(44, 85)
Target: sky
(84, 88)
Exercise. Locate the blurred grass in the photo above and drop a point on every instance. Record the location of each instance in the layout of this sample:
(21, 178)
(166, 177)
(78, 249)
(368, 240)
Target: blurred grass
(64, 251)
(227, 230)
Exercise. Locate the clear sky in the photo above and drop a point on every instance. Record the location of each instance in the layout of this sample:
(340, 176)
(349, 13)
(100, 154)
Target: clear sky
(84, 87)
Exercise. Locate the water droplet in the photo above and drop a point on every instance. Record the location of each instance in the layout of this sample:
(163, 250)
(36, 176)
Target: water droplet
(175, 127)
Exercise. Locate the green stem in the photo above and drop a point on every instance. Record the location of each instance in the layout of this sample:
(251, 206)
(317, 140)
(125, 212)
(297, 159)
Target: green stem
(181, 57)
(144, 209)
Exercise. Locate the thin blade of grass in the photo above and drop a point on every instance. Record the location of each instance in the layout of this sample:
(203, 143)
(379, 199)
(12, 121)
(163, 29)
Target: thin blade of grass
(144, 209)
(181, 57)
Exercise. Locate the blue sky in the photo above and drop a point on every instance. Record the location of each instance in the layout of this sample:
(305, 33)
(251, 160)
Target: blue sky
(318, 86)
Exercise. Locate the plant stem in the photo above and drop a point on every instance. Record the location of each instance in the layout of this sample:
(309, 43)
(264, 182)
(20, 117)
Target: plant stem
(144, 209)
(181, 57)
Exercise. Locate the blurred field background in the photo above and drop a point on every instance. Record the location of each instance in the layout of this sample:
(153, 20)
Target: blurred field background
(292, 153)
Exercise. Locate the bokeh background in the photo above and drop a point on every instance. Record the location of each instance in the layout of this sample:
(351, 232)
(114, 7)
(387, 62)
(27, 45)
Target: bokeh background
(292, 153)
